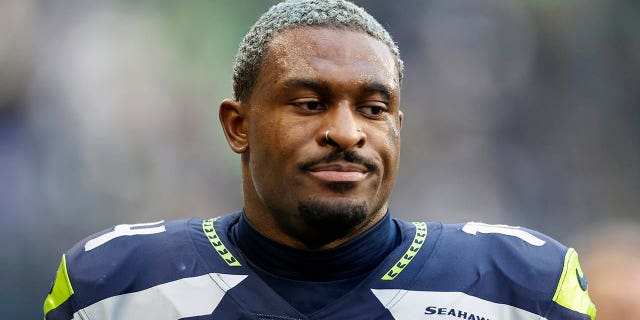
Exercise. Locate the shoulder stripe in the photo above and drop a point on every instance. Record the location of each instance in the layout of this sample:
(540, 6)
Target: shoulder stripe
(572, 291)
(416, 244)
(221, 249)
(61, 290)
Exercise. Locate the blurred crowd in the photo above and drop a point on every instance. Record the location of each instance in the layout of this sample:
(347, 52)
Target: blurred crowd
(523, 112)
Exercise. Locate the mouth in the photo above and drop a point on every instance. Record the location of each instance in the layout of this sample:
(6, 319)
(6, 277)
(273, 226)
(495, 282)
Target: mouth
(340, 168)
(338, 172)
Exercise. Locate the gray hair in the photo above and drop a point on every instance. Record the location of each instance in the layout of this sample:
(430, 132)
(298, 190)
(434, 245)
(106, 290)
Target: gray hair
(301, 13)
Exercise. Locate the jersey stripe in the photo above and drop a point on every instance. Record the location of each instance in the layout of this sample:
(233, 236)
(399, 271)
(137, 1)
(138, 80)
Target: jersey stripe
(221, 249)
(61, 290)
(187, 297)
(409, 305)
(416, 244)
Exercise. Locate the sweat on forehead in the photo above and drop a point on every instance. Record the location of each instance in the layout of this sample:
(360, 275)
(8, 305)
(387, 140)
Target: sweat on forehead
(290, 14)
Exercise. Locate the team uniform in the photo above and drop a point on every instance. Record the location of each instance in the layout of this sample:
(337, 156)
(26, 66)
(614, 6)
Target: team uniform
(189, 269)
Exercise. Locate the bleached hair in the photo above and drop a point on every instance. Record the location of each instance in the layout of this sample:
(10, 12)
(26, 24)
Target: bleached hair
(290, 14)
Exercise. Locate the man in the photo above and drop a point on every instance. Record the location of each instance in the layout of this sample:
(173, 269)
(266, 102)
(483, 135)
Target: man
(317, 123)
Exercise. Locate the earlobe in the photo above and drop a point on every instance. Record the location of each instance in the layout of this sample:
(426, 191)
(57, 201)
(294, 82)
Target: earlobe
(233, 123)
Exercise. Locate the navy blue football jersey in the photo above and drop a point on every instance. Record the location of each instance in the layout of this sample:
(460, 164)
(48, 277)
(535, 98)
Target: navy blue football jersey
(188, 269)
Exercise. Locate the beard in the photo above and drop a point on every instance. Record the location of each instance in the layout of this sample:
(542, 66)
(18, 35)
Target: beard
(328, 221)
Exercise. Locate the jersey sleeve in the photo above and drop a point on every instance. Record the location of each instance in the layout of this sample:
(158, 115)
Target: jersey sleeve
(112, 262)
(572, 292)
(58, 305)
(545, 276)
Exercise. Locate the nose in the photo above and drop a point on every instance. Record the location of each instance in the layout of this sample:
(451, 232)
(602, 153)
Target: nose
(341, 128)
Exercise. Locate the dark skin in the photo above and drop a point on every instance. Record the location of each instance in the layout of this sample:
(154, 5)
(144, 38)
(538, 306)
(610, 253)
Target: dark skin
(301, 189)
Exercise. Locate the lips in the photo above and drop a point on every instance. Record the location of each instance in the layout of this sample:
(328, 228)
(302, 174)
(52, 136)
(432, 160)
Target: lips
(338, 172)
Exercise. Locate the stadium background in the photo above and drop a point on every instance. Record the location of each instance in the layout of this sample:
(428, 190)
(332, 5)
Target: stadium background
(523, 112)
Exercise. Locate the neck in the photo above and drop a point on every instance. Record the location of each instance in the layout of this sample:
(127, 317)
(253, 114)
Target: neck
(304, 236)
(368, 249)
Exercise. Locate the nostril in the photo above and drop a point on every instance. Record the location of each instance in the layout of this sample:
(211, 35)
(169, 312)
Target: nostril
(343, 139)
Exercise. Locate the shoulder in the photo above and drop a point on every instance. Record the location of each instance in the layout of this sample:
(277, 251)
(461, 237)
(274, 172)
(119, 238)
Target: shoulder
(477, 244)
(489, 250)
(124, 258)
(125, 250)
(516, 254)
(518, 261)
(497, 241)
(127, 246)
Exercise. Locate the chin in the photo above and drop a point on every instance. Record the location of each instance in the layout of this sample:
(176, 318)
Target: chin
(330, 220)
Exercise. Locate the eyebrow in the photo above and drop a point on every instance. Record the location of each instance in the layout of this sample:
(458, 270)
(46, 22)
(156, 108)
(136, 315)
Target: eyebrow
(305, 83)
(322, 86)
(380, 88)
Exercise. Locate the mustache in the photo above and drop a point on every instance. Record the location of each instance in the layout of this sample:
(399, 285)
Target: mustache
(344, 155)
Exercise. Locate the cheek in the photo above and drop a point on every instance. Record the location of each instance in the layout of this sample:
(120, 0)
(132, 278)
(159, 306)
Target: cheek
(278, 148)
(262, 144)
(263, 137)
(389, 147)
(391, 150)
(393, 134)
(273, 145)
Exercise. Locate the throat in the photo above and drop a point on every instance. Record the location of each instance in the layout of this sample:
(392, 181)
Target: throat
(352, 259)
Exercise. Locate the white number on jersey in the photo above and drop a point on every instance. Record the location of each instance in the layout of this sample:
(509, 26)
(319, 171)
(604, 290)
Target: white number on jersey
(475, 227)
(125, 230)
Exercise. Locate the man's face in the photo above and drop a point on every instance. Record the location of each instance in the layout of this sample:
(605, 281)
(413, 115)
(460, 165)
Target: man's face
(297, 182)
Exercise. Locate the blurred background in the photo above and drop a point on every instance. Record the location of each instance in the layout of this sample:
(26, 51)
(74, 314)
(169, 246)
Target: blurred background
(522, 112)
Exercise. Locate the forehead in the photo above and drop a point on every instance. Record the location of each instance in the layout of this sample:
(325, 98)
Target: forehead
(318, 51)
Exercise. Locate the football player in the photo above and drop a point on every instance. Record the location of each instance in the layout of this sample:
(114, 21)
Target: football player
(316, 119)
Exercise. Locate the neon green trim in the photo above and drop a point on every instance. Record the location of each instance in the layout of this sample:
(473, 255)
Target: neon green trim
(61, 290)
(569, 293)
(418, 240)
(225, 254)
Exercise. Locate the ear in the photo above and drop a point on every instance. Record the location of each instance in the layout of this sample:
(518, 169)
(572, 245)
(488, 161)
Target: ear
(400, 117)
(234, 125)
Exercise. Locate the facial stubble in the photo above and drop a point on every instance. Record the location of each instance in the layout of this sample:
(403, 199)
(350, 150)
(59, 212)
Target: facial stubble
(330, 220)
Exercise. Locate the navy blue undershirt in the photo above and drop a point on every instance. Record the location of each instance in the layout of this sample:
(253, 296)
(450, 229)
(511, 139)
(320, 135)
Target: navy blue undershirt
(310, 280)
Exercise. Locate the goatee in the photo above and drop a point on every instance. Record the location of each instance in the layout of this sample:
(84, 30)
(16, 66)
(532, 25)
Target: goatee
(328, 221)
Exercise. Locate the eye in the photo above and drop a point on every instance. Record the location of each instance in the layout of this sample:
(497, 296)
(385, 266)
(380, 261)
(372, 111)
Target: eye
(373, 110)
(310, 105)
